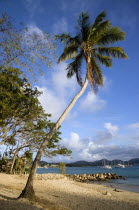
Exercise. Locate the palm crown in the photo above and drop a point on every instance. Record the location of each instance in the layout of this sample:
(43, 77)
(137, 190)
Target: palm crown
(91, 44)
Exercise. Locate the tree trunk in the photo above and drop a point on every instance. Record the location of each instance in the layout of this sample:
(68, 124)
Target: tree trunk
(13, 161)
(28, 191)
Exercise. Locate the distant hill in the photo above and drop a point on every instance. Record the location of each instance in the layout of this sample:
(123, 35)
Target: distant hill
(134, 161)
(102, 162)
(42, 163)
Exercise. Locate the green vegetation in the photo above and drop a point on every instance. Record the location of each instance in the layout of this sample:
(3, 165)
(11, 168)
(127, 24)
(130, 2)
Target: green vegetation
(24, 125)
(62, 167)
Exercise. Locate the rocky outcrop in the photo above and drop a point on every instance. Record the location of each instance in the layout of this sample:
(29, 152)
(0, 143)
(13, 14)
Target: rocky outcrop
(95, 177)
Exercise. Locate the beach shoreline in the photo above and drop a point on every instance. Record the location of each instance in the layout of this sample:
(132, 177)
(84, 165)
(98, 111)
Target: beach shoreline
(126, 187)
(56, 191)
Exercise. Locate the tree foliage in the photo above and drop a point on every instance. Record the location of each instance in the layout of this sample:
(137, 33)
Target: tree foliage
(24, 124)
(91, 43)
(24, 47)
(62, 167)
(19, 104)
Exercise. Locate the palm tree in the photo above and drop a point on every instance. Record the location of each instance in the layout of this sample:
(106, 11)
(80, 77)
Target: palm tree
(91, 44)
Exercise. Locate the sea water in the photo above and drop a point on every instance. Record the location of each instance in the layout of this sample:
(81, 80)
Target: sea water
(131, 174)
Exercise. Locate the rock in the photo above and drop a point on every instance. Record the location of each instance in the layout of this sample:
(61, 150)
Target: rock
(94, 177)
(107, 193)
(122, 177)
(117, 190)
(101, 177)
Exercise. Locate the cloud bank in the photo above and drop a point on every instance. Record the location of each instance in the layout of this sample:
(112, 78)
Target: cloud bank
(101, 146)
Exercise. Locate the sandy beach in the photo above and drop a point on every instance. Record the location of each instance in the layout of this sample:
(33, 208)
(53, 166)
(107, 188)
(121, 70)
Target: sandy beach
(55, 191)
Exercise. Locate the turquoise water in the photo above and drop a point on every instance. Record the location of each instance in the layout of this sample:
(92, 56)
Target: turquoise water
(131, 173)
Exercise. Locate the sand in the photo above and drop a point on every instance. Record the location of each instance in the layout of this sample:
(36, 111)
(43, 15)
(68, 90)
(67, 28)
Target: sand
(58, 192)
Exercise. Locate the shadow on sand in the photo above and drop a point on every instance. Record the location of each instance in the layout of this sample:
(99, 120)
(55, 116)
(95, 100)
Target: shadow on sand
(9, 203)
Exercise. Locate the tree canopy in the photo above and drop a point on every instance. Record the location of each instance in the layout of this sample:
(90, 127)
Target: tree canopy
(91, 44)
(19, 104)
(24, 124)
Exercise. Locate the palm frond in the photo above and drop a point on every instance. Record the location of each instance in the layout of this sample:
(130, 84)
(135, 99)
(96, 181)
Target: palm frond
(75, 68)
(94, 32)
(95, 75)
(65, 38)
(116, 52)
(83, 19)
(104, 60)
(99, 19)
(69, 53)
(111, 35)
(83, 26)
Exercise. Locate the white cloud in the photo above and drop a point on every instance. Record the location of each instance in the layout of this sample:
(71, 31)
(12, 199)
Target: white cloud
(105, 136)
(64, 86)
(89, 150)
(114, 151)
(102, 145)
(111, 128)
(74, 142)
(92, 102)
(32, 28)
(58, 92)
(51, 102)
(34, 34)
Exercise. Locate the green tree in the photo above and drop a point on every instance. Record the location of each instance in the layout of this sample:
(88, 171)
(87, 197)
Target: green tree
(24, 125)
(21, 162)
(19, 105)
(32, 139)
(90, 44)
(62, 167)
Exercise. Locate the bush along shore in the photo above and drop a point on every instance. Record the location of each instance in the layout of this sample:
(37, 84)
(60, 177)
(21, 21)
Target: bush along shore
(95, 177)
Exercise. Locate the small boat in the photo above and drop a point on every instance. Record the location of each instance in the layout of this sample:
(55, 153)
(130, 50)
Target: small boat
(107, 167)
(120, 166)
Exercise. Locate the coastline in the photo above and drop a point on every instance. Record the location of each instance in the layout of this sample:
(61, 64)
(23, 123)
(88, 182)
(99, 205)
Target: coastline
(126, 187)
(56, 191)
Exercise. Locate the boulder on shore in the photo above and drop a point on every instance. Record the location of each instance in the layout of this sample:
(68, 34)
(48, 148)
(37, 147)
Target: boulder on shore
(95, 177)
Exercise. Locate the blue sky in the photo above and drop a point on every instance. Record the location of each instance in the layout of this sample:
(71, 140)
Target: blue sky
(105, 125)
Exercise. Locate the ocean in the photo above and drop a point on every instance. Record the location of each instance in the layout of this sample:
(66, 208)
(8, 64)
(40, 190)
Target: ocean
(131, 174)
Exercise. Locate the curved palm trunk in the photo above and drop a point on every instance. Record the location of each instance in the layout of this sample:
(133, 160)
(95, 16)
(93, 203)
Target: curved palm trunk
(28, 191)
